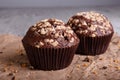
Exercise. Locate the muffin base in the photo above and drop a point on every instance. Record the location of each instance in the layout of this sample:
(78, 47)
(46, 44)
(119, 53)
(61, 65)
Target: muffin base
(49, 58)
(93, 45)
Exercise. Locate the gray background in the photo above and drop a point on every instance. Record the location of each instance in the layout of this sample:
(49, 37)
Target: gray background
(56, 3)
(16, 16)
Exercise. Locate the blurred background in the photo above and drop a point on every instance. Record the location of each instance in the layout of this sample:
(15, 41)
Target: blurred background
(16, 16)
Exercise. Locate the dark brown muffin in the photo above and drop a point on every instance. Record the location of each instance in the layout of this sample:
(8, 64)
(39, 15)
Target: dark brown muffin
(94, 31)
(50, 44)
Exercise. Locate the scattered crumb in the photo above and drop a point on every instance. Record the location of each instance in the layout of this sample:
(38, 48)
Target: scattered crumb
(9, 64)
(110, 65)
(68, 76)
(105, 74)
(11, 74)
(31, 67)
(85, 65)
(117, 67)
(4, 48)
(1, 52)
(13, 78)
(116, 61)
(94, 72)
(100, 58)
(78, 65)
(87, 59)
(15, 71)
(23, 65)
(5, 69)
(104, 67)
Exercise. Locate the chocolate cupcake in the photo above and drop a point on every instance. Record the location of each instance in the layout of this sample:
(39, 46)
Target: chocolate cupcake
(50, 44)
(94, 31)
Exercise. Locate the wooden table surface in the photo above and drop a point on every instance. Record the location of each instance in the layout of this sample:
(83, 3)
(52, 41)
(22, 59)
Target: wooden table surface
(14, 64)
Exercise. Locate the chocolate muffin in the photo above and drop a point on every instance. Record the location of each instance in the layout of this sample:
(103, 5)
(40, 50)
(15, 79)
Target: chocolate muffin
(94, 31)
(50, 44)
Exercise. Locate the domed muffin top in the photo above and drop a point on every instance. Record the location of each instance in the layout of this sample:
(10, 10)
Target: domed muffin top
(50, 33)
(90, 24)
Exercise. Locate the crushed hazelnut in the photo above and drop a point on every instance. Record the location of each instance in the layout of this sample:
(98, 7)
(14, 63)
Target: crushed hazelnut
(93, 35)
(33, 28)
(69, 31)
(55, 43)
(72, 40)
(51, 40)
(83, 23)
(43, 31)
(92, 28)
(37, 46)
(41, 43)
(46, 40)
(93, 21)
(56, 35)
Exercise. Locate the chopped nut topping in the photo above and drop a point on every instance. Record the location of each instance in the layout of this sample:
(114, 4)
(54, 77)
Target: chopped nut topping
(43, 31)
(92, 28)
(46, 40)
(33, 28)
(69, 31)
(41, 43)
(37, 46)
(49, 32)
(72, 40)
(55, 43)
(56, 35)
(90, 23)
(93, 35)
(51, 40)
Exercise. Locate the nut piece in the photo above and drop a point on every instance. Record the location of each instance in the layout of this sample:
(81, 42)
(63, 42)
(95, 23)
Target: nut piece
(72, 40)
(41, 43)
(54, 43)
(46, 40)
(93, 35)
(69, 31)
(37, 46)
(43, 31)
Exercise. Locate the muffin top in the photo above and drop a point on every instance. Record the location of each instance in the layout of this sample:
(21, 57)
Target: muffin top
(50, 33)
(90, 24)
